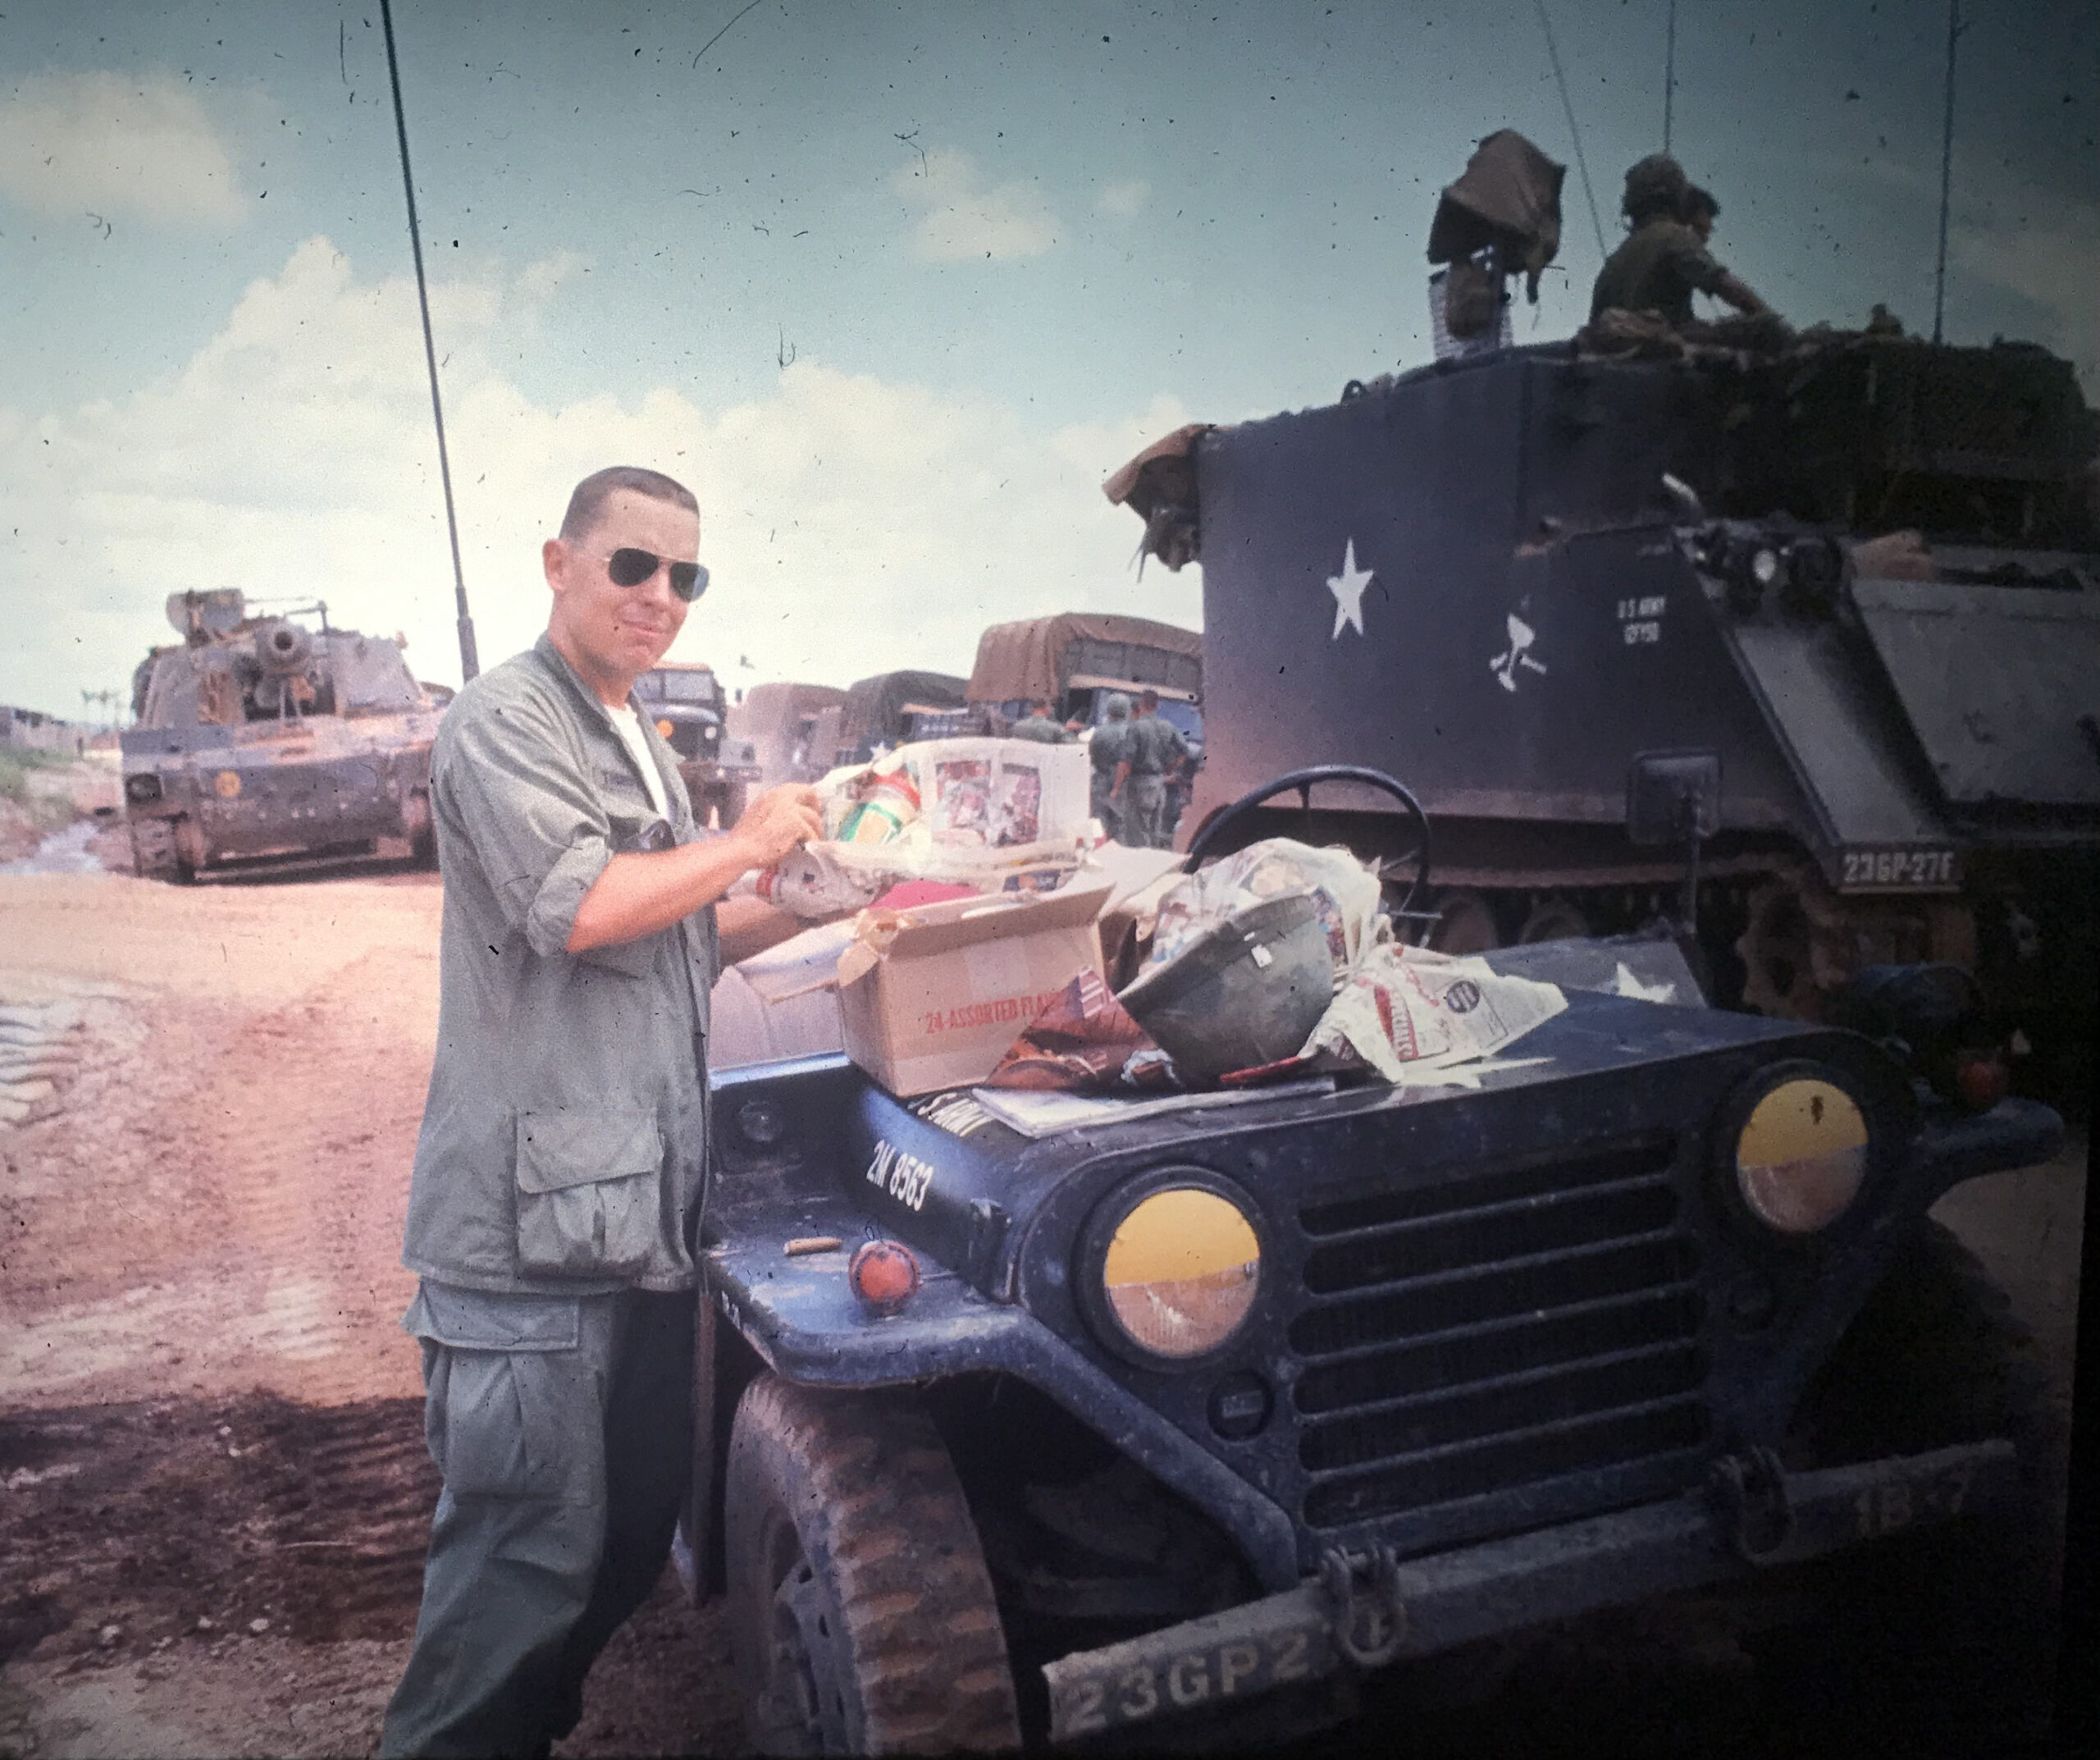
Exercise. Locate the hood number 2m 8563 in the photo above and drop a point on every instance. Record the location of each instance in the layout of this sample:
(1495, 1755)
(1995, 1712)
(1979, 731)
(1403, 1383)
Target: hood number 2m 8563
(904, 1177)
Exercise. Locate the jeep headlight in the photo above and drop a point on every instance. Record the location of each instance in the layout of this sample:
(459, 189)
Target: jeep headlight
(1180, 1271)
(1801, 1154)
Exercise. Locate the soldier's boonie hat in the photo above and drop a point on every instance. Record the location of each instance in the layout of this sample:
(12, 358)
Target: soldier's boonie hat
(1118, 706)
(1657, 182)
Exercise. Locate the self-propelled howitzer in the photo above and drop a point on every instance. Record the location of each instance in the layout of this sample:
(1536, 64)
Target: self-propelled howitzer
(261, 739)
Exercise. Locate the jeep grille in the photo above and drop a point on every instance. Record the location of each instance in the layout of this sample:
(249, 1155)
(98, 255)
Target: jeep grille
(1480, 1334)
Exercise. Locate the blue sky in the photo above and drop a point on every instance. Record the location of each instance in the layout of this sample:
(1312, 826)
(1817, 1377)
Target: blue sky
(895, 285)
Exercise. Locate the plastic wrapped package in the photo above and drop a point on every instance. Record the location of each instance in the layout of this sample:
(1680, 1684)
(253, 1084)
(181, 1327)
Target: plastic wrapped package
(994, 814)
(1344, 889)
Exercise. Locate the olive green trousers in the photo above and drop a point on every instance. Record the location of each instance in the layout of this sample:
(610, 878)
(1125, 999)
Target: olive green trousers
(562, 1427)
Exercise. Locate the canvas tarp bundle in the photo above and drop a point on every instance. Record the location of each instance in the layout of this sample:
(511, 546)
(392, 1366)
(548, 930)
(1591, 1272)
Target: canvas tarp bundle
(1509, 197)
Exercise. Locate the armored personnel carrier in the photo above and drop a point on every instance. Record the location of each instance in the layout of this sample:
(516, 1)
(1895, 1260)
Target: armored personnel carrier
(1176, 1417)
(691, 710)
(1845, 590)
(261, 739)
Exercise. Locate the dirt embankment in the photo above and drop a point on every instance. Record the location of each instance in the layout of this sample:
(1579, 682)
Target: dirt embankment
(41, 792)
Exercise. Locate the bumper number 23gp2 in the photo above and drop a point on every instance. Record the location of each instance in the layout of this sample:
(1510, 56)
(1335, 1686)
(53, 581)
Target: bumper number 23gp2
(1232, 1669)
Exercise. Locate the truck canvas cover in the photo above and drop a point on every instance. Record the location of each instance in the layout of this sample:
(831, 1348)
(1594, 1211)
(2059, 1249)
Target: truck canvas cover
(1036, 657)
(877, 705)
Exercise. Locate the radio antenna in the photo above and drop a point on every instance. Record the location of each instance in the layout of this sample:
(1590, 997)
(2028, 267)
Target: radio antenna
(1670, 73)
(1582, 164)
(469, 660)
(1954, 28)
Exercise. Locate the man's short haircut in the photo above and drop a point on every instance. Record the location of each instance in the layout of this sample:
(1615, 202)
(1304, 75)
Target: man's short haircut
(1698, 201)
(1148, 699)
(587, 501)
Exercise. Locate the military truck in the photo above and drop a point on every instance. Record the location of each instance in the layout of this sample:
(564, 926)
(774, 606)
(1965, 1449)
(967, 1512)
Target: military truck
(1852, 582)
(792, 729)
(262, 739)
(1217, 1408)
(893, 708)
(1078, 659)
(690, 710)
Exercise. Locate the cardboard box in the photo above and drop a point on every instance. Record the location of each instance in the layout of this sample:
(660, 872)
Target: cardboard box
(931, 997)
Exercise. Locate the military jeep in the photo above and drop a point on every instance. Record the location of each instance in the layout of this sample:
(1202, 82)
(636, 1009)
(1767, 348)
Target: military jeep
(1202, 1415)
(690, 710)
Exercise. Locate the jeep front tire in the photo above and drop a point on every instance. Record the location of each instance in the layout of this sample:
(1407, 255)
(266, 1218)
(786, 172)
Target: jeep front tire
(860, 1612)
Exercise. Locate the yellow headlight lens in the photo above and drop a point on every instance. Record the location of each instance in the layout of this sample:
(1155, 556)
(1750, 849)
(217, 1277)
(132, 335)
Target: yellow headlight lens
(1181, 1272)
(1801, 1155)
(663, 728)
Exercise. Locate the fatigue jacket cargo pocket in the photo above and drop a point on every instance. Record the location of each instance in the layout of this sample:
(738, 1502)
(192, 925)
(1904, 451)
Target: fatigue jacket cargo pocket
(587, 1190)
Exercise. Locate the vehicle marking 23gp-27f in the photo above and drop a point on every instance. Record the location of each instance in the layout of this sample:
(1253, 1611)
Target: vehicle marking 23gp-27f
(1901, 870)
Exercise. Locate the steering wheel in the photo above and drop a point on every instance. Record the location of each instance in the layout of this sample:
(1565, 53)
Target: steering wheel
(1302, 780)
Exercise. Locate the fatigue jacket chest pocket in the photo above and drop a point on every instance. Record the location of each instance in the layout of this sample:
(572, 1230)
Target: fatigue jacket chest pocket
(587, 1190)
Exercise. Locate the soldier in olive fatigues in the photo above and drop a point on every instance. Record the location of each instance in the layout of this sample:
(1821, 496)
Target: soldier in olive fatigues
(1108, 749)
(554, 1203)
(1157, 751)
(1665, 260)
(1037, 725)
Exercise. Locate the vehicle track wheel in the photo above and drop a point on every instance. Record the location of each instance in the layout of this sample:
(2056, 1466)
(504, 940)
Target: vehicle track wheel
(1465, 924)
(1794, 950)
(154, 855)
(1554, 919)
(861, 1613)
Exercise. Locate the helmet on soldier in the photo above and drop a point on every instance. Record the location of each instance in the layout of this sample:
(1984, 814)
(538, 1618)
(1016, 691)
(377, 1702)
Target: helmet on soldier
(1654, 185)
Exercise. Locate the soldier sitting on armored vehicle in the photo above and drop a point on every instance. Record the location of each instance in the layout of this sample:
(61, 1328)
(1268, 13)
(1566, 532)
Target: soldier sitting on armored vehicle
(1665, 260)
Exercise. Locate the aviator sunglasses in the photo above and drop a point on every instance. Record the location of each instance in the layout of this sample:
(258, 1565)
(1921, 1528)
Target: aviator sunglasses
(629, 567)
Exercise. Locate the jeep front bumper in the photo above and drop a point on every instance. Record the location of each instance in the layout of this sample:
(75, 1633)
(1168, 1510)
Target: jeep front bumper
(1352, 1615)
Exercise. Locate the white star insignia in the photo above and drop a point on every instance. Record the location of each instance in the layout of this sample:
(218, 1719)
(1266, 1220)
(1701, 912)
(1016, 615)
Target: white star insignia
(1347, 589)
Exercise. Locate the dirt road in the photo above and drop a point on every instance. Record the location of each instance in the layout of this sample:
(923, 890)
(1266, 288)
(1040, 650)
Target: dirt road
(215, 1494)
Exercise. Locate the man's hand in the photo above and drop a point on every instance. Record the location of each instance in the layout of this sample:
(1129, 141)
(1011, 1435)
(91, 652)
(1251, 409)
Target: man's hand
(776, 822)
(638, 894)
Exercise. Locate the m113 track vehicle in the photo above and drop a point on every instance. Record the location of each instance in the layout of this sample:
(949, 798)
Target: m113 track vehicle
(260, 740)
(1847, 582)
(1202, 1414)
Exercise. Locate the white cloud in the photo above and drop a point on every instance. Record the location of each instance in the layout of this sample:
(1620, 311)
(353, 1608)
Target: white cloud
(98, 143)
(539, 280)
(1124, 201)
(964, 217)
(2056, 264)
(851, 524)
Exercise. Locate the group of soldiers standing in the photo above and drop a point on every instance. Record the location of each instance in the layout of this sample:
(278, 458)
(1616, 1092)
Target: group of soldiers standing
(1134, 760)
